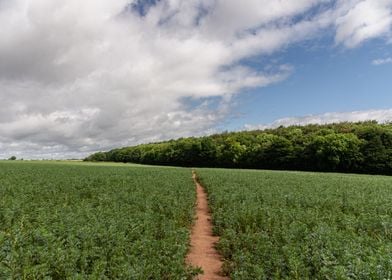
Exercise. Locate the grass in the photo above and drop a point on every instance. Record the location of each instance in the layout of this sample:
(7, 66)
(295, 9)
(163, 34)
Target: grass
(72, 220)
(298, 225)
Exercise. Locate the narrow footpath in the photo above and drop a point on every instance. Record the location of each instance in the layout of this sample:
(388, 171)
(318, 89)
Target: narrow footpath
(202, 252)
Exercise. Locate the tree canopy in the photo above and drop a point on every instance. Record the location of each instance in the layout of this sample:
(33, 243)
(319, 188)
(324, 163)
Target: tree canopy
(364, 147)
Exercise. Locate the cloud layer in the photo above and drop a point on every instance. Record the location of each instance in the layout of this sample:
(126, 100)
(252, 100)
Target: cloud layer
(382, 61)
(77, 77)
(381, 116)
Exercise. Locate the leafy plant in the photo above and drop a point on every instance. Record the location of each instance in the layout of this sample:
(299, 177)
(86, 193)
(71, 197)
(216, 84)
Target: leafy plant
(297, 225)
(74, 221)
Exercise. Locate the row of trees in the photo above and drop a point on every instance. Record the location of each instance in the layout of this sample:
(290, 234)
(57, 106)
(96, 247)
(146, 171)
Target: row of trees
(364, 147)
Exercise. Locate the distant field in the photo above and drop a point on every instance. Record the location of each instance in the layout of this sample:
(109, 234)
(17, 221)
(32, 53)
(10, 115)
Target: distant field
(94, 221)
(293, 225)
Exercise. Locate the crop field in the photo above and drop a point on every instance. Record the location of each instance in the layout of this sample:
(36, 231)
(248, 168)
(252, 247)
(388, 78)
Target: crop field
(292, 225)
(77, 221)
(74, 220)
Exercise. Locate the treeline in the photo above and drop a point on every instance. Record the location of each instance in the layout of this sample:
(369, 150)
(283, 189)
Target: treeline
(364, 147)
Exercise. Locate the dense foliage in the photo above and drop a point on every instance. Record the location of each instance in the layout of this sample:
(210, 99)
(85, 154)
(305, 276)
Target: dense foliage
(73, 221)
(294, 225)
(344, 147)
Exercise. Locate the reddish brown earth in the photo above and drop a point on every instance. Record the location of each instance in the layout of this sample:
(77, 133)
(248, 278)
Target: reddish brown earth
(202, 252)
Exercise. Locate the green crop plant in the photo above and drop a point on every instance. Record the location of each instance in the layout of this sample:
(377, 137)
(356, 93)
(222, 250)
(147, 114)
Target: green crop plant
(75, 221)
(298, 225)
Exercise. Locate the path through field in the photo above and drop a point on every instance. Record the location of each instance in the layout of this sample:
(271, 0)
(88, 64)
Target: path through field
(202, 252)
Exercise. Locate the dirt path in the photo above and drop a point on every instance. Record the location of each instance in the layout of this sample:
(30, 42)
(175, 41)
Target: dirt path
(202, 252)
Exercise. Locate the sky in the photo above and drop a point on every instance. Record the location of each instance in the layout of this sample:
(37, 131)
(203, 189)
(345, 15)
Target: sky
(83, 76)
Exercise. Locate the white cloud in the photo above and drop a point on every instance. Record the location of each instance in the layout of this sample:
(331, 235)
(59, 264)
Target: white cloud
(76, 77)
(380, 116)
(365, 20)
(382, 61)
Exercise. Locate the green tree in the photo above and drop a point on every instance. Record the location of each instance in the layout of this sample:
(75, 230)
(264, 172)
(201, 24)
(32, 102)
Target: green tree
(334, 152)
(348, 147)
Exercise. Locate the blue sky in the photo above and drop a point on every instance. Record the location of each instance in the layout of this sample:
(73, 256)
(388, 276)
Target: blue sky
(325, 78)
(83, 76)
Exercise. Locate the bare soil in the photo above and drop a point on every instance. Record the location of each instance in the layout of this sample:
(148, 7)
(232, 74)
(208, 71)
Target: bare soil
(202, 252)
